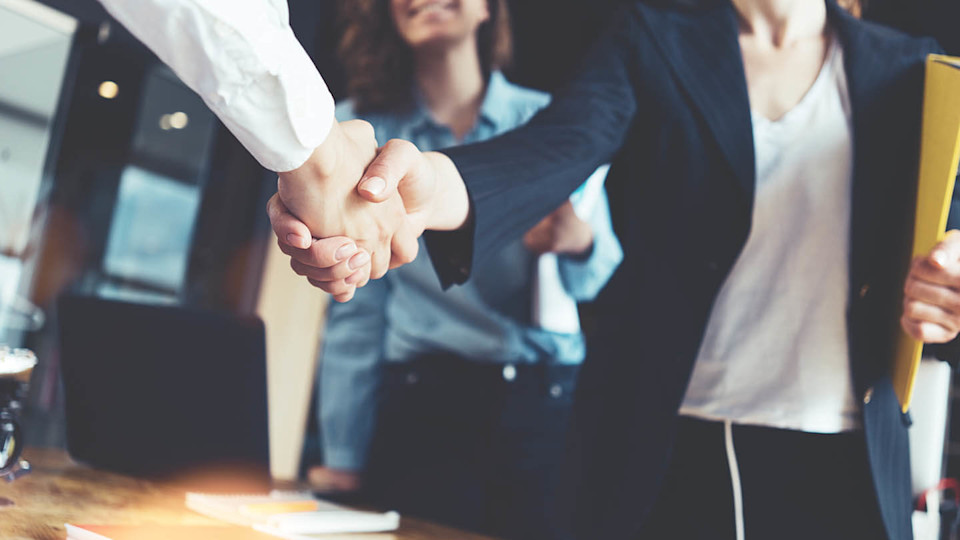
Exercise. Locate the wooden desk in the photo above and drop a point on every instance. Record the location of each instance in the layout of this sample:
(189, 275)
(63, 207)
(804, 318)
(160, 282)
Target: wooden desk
(60, 491)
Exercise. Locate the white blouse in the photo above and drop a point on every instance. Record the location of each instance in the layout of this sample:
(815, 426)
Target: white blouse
(775, 351)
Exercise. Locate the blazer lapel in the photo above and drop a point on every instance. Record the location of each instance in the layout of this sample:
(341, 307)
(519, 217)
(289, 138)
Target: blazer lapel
(703, 51)
(866, 68)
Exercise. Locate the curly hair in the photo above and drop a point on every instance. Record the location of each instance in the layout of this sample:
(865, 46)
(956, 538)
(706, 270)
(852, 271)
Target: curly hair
(379, 64)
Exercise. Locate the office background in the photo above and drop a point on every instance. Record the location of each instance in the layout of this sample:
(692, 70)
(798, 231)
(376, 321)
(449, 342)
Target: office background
(115, 180)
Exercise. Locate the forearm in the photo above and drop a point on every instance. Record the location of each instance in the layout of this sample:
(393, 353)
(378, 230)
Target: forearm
(451, 210)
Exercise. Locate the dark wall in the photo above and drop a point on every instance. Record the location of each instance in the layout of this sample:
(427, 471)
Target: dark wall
(937, 18)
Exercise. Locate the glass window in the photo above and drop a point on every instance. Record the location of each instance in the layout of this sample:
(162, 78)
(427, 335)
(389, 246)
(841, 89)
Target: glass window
(151, 230)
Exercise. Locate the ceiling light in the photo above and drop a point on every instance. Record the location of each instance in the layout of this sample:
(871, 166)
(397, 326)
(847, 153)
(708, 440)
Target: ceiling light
(108, 90)
(179, 120)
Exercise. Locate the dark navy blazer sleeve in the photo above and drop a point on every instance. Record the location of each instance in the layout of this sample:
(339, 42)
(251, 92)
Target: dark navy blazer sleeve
(518, 178)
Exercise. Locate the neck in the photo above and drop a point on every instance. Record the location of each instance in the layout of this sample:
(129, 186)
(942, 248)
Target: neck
(782, 22)
(452, 85)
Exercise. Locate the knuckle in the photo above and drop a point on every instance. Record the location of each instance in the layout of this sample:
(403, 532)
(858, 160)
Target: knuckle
(357, 125)
(331, 287)
(298, 267)
(911, 308)
(909, 327)
(412, 253)
(400, 146)
(407, 256)
(950, 328)
(364, 126)
(910, 287)
(320, 255)
(344, 297)
(366, 132)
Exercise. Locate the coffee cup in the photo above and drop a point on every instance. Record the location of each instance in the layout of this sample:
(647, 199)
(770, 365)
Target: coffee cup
(16, 366)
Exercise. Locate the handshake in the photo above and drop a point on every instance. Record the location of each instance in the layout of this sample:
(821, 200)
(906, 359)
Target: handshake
(353, 210)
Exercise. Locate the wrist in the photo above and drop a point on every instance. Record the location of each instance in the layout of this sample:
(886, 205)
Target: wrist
(581, 254)
(450, 209)
(322, 161)
(312, 192)
(581, 246)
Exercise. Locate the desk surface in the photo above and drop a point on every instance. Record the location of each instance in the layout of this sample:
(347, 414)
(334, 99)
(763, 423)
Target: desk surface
(60, 491)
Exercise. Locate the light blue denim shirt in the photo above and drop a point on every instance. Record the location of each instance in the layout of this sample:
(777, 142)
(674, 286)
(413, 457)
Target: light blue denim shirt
(407, 314)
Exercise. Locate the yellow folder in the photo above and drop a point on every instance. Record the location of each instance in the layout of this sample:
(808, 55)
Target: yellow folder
(939, 152)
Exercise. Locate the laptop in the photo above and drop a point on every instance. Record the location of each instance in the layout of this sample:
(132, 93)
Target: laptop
(164, 391)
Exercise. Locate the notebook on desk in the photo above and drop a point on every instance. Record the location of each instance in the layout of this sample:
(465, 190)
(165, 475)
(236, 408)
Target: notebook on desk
(165, 391)
(290, 514)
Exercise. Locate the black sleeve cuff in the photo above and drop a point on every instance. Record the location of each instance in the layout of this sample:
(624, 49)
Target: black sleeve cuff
(451, 253)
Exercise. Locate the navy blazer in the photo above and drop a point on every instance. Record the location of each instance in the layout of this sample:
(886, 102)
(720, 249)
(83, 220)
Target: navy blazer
(663, 95)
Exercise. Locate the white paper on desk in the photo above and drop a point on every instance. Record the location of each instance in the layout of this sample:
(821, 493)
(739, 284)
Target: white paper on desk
(553, 309)
(327, 518)
(305, 525)
(229, 507)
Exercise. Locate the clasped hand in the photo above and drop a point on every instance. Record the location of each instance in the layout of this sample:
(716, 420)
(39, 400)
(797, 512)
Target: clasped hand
(354, 210)
(931, 299)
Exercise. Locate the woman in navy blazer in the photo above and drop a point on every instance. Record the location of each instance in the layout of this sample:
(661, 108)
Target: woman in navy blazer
(664, 96)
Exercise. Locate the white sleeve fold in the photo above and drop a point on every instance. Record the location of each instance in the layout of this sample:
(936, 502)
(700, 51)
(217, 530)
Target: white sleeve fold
(242, 58)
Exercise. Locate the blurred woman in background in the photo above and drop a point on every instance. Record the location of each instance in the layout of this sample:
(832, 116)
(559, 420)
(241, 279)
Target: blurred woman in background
(453, 405)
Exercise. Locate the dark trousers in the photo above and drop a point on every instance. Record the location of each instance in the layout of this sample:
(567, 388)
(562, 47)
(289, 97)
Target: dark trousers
(475, 446)
(795, 485)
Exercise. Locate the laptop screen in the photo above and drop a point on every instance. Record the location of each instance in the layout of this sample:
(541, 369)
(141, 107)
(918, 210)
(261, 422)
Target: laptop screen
(162, 390)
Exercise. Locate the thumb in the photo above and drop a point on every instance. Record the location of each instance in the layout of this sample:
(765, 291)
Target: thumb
(948, 250)
(396, 162)
(287, 227)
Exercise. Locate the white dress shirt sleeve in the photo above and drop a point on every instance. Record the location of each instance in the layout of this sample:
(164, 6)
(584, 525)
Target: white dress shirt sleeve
(242, 58)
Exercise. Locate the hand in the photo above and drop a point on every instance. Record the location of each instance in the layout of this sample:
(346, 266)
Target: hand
(433, 192)
(333, 480)
(321, 193)
(334, 264)
(561, 232)
(931, 301)
(433, 195)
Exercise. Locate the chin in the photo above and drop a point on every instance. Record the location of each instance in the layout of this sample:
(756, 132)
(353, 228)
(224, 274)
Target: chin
(435, 40)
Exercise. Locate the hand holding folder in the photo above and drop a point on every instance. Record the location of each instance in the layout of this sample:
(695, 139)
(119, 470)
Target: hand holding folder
(939, 153)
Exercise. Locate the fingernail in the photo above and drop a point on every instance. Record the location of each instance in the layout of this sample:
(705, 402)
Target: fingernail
(374, 185)
(940, 258)
(359, 260)
(296, 240)
(345, 251)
